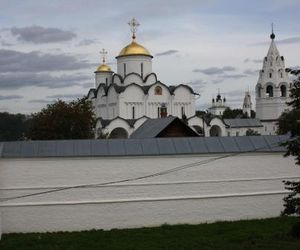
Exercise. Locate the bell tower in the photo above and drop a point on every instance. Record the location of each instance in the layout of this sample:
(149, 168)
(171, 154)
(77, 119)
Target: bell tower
(273, 85)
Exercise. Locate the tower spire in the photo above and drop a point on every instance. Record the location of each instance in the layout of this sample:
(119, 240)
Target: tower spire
(272, 36)
(134, 24)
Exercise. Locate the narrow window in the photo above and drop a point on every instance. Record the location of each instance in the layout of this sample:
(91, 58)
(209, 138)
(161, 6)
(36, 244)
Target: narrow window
(269, 91)
(142, 70)
(182, 111)
(259, 91)
(283, 90)
(270, 75)
(133, 113)
(124, 69)
(158, 112)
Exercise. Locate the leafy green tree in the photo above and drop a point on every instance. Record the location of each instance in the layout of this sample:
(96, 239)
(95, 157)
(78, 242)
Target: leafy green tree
(62, 120)
(13, 126)
(233, 113)
(289, 122)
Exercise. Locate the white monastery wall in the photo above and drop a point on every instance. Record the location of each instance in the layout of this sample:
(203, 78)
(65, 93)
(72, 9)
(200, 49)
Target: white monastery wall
(238, 187)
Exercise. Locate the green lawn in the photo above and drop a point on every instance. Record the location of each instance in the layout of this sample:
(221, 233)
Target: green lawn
(252, 234)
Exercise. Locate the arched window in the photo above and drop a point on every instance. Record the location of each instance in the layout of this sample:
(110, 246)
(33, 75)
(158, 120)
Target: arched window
(124, 69)
(133, 113)
(182, 111)
(269, 91)
(258, 88)
(158, 90)
(142, 69)
(283, 91)
(118, 133)
(215, 131)
(270, 74)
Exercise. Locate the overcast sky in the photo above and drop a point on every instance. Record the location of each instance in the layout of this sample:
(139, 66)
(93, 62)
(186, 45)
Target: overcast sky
(50, 49)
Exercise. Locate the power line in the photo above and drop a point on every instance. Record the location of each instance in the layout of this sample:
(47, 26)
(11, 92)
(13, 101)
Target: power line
(160, 173)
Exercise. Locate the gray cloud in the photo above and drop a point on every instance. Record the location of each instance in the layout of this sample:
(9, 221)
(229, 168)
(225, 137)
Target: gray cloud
(290, 40)
(217, 81)
(88, 85)
(10, 97)
(247, 60)
(168, 52)
(214, 70)
(5, 43)
(251, 72)
(198, 85)
(66, 96)
(40, 101)
(37, 34)
(15, 61)
(19, 80)
(87, 42)
(237, 94)
(233, 76)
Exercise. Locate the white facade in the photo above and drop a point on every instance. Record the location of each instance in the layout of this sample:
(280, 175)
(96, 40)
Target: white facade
(245, 186)
(272, 89)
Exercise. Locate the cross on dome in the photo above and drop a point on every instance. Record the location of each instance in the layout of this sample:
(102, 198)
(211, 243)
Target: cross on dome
(103, 52)
(133, 26)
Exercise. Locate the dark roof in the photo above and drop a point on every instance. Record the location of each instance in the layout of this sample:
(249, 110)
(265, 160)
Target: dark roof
(152, 127)
(132, 147)
(243, 123)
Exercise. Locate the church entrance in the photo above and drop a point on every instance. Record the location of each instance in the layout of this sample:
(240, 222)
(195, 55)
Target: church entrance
(118, 133)
(215, 131)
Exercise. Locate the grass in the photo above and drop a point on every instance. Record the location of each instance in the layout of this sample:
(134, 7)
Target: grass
(253, 234)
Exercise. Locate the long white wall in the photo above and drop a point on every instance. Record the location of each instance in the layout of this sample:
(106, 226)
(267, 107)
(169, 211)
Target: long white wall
(237, 187)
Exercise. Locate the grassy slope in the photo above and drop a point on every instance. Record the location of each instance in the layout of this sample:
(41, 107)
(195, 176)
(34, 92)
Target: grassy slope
(253, 234)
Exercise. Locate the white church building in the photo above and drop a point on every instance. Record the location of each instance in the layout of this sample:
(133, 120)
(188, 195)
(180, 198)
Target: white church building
(125, 99)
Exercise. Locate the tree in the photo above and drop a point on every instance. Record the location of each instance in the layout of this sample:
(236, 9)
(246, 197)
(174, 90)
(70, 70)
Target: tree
(251, 132)
(62, 120)
(13, 126)
(233, 113)
(289, 122)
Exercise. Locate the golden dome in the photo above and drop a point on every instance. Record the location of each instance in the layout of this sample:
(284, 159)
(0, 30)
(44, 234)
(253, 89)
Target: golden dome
(103, 68)
(134, 49)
